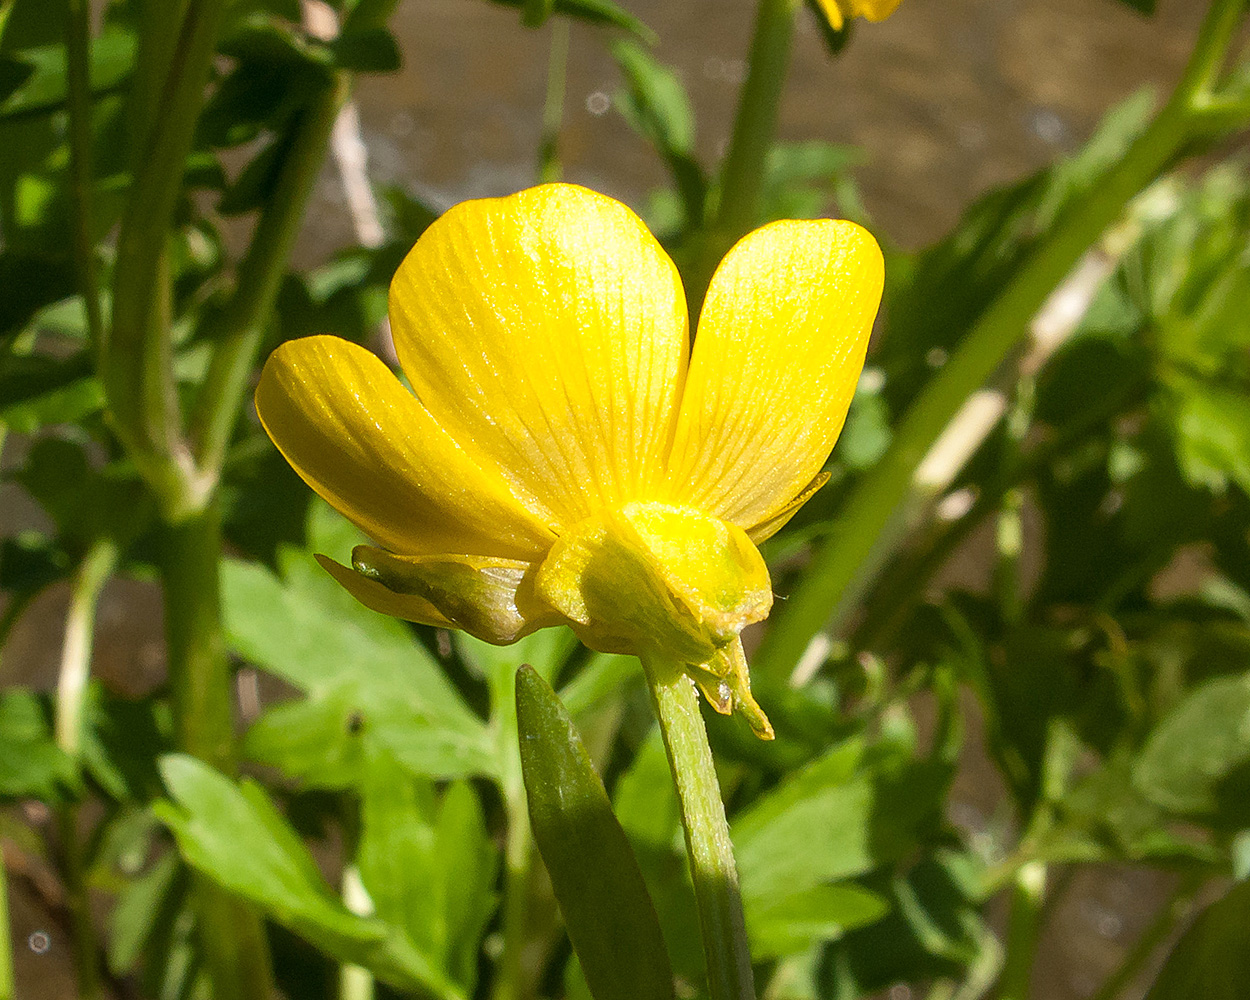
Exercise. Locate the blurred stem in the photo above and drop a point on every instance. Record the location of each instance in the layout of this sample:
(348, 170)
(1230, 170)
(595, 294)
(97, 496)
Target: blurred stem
(78, 56)
(841, 572)
(136, 362)
(518, 858)
(1028, 893)
(6, 946)
(755, 128)
(549, 166)
(712, 866)
(355, 982)
(89, 580)
(260, 275)
(71, 691)
(1176, 909)
(232, 935)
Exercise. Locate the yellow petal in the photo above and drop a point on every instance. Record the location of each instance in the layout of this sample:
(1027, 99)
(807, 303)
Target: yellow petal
(780, 346)
(766, 529)
(379, 598)
(364, 443)
(547, 333)
(873, 10)
(490, 598)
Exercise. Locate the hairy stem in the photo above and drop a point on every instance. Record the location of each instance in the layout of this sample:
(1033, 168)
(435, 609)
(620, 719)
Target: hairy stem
(712, 865)
(232, 935)
(137, 362)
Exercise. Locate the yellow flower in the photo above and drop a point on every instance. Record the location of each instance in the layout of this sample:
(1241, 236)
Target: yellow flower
(564, 458)
(874, 10)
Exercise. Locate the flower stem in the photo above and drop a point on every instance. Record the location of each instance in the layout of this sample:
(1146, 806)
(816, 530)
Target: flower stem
(845, 566)
(755, 127)
(518, 859)
(549, 166)
(232, 935)
(712, 866)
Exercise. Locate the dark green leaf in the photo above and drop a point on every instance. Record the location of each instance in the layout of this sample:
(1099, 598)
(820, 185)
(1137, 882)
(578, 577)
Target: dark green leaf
(368, 50)
(1146, 7)
(143, 907)
(603, 12)
(44, 89)
(1211, 961)
(596, 878)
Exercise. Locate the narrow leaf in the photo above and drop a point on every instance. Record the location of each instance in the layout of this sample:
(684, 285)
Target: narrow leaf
(596, 878)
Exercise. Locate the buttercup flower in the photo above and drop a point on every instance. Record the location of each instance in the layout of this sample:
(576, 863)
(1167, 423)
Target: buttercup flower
(838, 10)
(563, 457)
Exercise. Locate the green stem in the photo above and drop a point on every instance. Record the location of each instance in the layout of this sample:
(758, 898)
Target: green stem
(78, 55)
(549, 167)
(89, 580)
(755, 127)
(842, 570)
(712, 866)
(1023, 925)
(518, 860)
(232, 935)
(260, 278)
(137, 363)
(78, 903)
(6, 947)
(1177, 908)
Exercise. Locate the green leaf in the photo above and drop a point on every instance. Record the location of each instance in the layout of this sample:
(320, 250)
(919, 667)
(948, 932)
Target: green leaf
(469, 862)
(1194, 761)
(794, 923)
(45, 86)
(603, 12)
(594, 873)
(1211, 960)
(1146, 7)
(655, 103)
(365, 676)
(1213, 436)
(143, 906)
(368, 50)
(31, 764)
(234, 835)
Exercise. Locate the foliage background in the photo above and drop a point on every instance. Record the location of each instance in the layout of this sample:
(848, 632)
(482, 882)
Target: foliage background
(944, 101)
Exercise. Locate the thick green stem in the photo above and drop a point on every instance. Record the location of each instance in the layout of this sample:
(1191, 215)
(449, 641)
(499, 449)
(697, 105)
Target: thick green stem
(137, 364)
(231, 934)
(842, 570)
(1024, 923)
(78, 55)
(260, 278)
(712, 866)
(755, 127)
